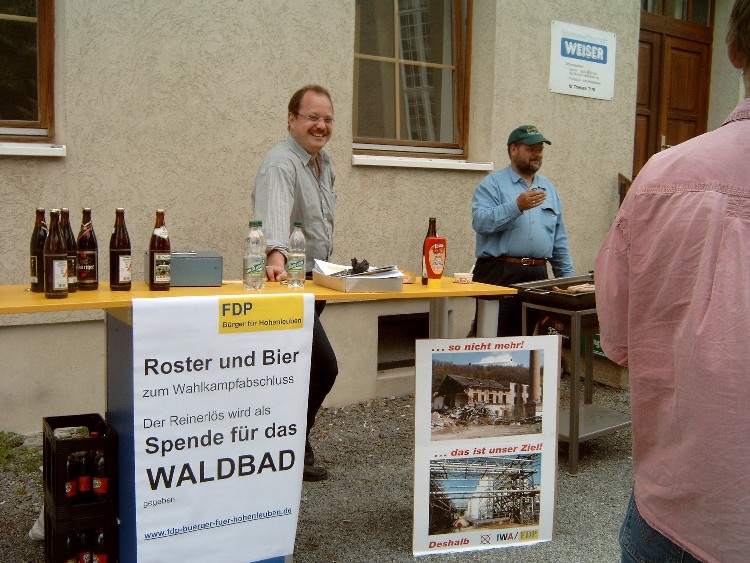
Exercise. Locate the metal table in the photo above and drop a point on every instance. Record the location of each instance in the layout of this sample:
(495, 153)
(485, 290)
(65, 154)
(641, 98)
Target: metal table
(579, 422)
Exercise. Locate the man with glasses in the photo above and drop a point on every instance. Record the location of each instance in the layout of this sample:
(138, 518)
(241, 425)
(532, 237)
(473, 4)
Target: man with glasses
(295, 183)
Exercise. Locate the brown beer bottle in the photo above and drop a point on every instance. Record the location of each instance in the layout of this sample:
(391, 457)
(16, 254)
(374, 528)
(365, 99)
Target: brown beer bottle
(36, 251)
(55, 260)
(431, 232)
(88, 254)
(159, 256)
(119, 254)
(71, 246)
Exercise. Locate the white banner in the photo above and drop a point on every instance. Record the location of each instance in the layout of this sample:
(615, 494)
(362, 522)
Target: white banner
(220, 399)
(486, 442)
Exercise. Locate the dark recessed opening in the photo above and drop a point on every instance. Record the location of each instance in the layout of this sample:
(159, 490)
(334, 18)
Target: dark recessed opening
(396, 337)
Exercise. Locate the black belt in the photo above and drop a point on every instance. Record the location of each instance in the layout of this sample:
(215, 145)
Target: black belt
(524, 261)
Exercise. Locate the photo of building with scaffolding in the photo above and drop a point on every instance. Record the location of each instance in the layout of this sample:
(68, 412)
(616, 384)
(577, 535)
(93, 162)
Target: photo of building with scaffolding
(484, 493)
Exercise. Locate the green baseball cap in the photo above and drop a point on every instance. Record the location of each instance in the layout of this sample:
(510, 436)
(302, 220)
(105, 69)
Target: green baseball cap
(528, 135)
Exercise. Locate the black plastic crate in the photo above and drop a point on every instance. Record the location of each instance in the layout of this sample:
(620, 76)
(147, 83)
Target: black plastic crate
(62, 539)
(58, 452)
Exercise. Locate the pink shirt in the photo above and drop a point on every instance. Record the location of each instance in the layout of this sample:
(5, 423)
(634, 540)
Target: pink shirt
(673, 297)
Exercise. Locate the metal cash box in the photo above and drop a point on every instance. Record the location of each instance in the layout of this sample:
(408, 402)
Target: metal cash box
(194, 268)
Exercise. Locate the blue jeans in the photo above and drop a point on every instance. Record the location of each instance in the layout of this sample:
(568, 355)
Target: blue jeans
(640, 543)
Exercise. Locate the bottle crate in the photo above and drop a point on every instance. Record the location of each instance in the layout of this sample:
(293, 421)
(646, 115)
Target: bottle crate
(56, 454)
(62, 539)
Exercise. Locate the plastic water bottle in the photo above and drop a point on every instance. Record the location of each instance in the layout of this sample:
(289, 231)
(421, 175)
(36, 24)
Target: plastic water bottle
(254, 261)
(295, 264)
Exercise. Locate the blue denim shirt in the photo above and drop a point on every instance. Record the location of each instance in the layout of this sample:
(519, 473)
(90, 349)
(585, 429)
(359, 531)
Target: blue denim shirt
(503, 230)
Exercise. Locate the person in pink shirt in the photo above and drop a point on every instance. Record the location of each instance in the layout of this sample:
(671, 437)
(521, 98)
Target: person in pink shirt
(673, 298)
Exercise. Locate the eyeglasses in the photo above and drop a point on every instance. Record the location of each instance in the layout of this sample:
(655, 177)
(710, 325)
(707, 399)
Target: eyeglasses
(316, 119)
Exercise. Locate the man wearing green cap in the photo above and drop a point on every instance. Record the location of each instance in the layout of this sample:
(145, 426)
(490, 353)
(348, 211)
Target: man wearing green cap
(517, 215)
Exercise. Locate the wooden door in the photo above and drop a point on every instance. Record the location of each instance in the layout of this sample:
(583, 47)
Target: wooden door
(674, 66)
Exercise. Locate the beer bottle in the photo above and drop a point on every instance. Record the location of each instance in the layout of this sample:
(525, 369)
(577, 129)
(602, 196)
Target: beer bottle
(119, 254)
(36, 251)
(159, 256)
(431, 232)
(71, 246)
(71, 549)
(85, 477)
(84, 547)
(88, 255)
(100, 547)
(55, 260)
(100, 483)
(71, 479)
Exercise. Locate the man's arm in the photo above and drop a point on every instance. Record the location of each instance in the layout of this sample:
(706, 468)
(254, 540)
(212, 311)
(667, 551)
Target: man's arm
(273, 200)
(562, 262)
(612, 298)
(490, 210)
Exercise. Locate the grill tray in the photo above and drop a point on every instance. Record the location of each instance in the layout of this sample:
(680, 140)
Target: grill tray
(540, 292)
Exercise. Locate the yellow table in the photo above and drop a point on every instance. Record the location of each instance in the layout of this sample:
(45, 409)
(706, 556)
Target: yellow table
(19, 299)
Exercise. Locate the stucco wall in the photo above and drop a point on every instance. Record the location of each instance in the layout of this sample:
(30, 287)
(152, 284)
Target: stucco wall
(174, 104)
(727, 88)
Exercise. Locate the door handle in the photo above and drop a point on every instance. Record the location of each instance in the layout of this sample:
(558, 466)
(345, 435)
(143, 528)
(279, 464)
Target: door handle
(664, 144)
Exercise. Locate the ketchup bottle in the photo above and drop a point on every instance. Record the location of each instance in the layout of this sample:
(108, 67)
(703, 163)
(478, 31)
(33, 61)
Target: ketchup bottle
(434, 258)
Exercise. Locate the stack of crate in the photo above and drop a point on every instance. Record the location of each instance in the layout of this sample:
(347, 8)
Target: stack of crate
(80, 489)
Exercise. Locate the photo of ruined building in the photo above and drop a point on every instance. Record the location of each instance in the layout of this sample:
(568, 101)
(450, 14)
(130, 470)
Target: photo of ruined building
(492, 395)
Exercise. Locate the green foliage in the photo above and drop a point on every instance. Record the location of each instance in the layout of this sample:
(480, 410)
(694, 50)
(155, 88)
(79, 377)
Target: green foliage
(14, 456)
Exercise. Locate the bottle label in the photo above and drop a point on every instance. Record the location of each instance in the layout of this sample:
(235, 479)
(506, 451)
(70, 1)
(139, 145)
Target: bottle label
(34, 275)
(162, 266)
(254, 268)
(101, 558)
(86, 228)
(60, 274)
(161, 232)
(297, 265)
(72, 277)
(125, 268)
(101, 485)
(437, 258)
(84, 483)
(87, 273)
(71, 488)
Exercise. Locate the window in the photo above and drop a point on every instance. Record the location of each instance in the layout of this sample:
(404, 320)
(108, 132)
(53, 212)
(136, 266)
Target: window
(410, 64)
(696, 11)
(26, 70)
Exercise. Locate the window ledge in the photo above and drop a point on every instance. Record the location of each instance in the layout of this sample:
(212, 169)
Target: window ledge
(32, 149)
(406, 162)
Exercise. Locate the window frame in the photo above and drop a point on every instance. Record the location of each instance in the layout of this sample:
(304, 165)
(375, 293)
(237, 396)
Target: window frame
(428, 149)
(45, 125)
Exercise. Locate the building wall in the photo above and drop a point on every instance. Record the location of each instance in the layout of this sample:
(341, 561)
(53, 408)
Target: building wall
(727, 87)
(173, 105)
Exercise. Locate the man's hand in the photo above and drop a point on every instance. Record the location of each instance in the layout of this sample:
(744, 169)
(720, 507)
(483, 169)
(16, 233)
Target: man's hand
(275, 266)
(529, 199)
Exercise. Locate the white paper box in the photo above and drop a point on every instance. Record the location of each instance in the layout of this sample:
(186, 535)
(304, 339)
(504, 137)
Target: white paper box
(364, 284)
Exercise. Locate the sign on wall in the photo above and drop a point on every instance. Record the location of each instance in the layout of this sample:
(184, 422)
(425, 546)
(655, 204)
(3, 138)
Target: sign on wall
(582, 61)
(220, 399)
(486, 443)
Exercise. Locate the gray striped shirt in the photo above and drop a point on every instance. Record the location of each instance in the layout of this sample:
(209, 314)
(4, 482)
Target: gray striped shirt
(288, 189)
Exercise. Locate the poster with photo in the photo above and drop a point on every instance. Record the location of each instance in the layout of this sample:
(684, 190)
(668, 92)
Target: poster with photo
(486, 442)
